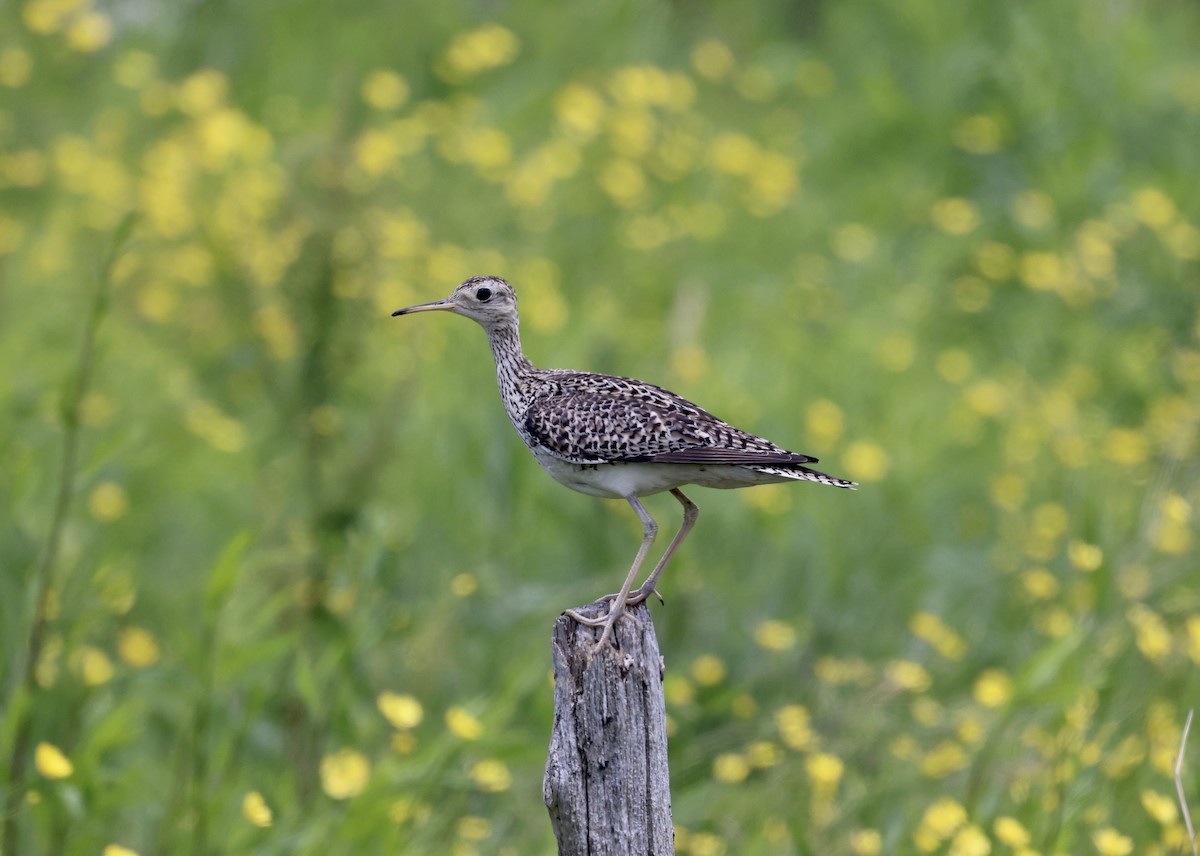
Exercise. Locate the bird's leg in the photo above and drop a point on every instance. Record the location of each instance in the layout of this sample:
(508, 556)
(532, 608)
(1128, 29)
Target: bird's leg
(616, 606)
(690, 512)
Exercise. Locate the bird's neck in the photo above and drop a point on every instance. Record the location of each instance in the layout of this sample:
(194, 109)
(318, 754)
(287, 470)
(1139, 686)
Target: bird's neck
(513, 369)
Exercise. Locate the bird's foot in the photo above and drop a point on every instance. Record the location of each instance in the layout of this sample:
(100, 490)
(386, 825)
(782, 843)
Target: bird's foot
(616, 611)
(638, 595)
(635, 597)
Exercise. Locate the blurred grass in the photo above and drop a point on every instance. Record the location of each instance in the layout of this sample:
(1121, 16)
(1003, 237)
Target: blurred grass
(303, 597)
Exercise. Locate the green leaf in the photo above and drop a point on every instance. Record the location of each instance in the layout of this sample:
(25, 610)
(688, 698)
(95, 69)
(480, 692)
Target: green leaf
(224, 573)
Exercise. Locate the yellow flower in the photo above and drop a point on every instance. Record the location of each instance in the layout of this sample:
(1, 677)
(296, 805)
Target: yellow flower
(866, 461)
(402, 236)
(904, 747)
(376, 152)
(345, 773)
(944, 817)
(1040, 584)
(1010, 832)
(491, 775)
(996, 261)
(1109, 842)
(1153, 207)
(1183, 239)
(402, 711)
(689, 362)
(118, 850)
(137, 647)
(223, 433)
(953, 365)
(256, 810)
(824, 423)
(203, 92)
(705, 844)
(1150, 632)
(1126, 446)
(679, 690)
(731, 768)
(927, 626)
(624, 181)
(795, 727)
(108, 501)
(1193, 635)
(824, 770)
(580, 109)
(773, 635)
(733, 154)
(897, 352)
(1174, 536)
(1085, 557)
(89, 32)
(474, 51)
(907, 675)
(474, 828)
(970, 730)
(11, 235)
(488, 150)
(94, 665)
(51, 762)
(135, 69)
(927, 711)
(994, 688)
(1042, 271)
(970, 841)
(955, 215)
(45, 16)
(1160, 807)
(866, 842)
(854, 242)
(987, 397)
(762, 754)
(712, 59)
(1134, 581)
(838, 672)
(1033, 209)
(708, 670)
(756, 83)
(384, 89)
(462, 724)
(943, 759)
(16, 66)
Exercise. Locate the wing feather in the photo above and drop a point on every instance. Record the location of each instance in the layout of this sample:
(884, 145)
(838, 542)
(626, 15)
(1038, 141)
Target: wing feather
(622, 420)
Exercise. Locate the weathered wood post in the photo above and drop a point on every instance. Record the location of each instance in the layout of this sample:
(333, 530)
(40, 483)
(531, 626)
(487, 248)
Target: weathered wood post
(607, 785)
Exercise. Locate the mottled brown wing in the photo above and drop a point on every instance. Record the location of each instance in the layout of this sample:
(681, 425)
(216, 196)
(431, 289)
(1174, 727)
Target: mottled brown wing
(719, 455)
(597, 427)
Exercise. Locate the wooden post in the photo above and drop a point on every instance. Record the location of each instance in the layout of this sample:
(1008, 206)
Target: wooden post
(607, 785)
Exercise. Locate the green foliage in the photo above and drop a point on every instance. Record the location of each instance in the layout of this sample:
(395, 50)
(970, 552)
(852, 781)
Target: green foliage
(298, 594)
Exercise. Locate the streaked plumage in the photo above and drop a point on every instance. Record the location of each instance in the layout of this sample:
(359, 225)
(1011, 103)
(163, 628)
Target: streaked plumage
(617, 437)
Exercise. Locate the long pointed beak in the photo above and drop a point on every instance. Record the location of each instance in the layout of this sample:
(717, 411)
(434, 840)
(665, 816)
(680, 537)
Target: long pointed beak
(444, 305)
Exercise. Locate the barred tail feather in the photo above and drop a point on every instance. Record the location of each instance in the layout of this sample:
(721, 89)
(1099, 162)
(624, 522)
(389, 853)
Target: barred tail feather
(800, 473)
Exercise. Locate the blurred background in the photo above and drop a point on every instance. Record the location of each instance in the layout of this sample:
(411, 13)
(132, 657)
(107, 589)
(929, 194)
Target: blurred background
(278, 576)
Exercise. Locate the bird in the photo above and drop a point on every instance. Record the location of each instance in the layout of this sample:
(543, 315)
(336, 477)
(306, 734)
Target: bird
(617, 438)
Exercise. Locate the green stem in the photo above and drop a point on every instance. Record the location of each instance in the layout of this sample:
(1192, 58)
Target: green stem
(24, 683)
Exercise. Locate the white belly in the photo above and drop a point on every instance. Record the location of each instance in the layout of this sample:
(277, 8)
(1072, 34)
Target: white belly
(633, 479)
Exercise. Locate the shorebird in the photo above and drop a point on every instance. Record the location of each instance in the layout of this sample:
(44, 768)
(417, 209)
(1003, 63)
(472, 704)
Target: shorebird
(617, 438)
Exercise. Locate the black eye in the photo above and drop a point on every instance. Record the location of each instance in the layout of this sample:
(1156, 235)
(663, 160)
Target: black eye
(483, 295)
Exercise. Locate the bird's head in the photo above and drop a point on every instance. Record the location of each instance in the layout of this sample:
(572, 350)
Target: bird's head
(487, 299)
